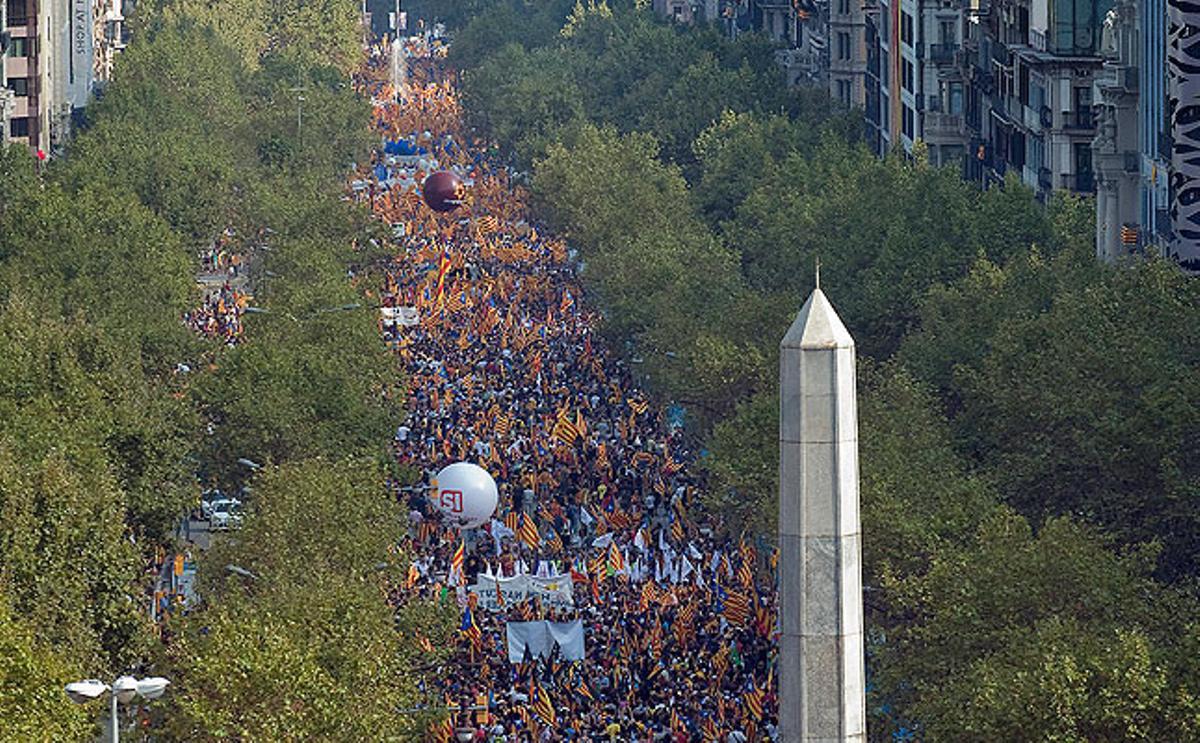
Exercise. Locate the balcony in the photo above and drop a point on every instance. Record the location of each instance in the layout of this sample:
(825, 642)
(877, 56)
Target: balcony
(940, 127)
(1079, 120)
(1000, 54)
(942, 53)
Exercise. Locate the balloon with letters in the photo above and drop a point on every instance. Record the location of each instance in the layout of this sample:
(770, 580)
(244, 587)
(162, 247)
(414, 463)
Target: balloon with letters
(443, 191)
(466, 495)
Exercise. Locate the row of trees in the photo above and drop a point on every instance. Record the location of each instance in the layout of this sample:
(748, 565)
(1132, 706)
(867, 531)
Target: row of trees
(115, 414)
(1028, 416)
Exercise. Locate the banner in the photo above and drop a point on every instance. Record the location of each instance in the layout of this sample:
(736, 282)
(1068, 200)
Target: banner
(407, 316)
(553, 591)
(540, 638)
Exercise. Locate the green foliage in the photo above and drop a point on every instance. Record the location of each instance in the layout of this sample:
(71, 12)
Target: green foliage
(743, 467)
(877, 262)
(1046, 636)
(101, 436)
(522, 97)
(34, 707)
(308, 649)
(1091, 407)
(65, 558)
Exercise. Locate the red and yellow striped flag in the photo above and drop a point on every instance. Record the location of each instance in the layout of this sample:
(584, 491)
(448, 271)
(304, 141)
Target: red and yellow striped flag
(528, 532)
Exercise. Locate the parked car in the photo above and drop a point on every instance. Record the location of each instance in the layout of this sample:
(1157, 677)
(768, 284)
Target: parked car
(226, 514)
(207, 499)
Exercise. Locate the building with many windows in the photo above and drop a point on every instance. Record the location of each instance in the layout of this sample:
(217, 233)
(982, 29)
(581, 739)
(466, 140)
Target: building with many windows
(847, 42)
(1030, 71)
(1131, 151)
(914, 77)
(56, 52)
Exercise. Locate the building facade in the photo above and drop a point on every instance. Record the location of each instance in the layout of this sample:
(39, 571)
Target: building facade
(1131, 151)
(847, 46)
(56, 54)
(1030, 92)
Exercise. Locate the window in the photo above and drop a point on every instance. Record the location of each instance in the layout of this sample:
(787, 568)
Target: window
(885, 69)
(1037, 153)
(1083, 107)
(1023, 84)
(906, 28)
(17, 15)
(906, 124)
(843, 91)
(955, 98)
(1037, 95)
(1075, 25)
(947, 32)
(844, 7)
(20, 47)
(1083, 166)
(884, 24)
(843, 44)
(19, 127)
(19, 85)
(1016, 150)
(906, 74)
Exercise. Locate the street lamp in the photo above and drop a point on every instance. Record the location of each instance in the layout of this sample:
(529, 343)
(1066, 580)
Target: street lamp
(123, 690)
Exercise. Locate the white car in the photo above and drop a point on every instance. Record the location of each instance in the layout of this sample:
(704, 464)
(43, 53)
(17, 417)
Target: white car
(226, 514)
(207, 499)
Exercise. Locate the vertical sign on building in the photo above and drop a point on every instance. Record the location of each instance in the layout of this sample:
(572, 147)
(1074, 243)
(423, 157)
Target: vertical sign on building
(1183, 106)
(78, 48)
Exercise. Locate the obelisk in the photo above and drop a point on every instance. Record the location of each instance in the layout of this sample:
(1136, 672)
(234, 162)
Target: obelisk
(822, 694)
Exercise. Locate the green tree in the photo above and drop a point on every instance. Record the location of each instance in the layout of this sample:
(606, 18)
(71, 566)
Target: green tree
(307, 649)
(34, 707)
(1046, 636)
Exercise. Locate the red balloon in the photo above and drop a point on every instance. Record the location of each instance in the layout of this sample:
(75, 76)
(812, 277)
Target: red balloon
(443, 191)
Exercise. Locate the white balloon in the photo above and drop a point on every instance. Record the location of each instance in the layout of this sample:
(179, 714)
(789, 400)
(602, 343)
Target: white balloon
(466, 495)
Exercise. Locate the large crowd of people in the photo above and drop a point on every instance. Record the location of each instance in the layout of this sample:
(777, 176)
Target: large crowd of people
(505, 370)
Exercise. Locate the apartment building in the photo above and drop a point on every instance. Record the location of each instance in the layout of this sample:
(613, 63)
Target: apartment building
(847, 45)
(914, 77)
(1030, 92)
(1132, 148)
(56, 52)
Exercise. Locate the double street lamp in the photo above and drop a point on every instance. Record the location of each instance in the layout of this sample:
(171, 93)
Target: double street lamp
(123, 690)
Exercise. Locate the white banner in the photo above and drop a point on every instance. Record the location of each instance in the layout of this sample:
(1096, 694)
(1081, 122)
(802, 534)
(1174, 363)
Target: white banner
(555, 590)
(539, 638)
(407, 316)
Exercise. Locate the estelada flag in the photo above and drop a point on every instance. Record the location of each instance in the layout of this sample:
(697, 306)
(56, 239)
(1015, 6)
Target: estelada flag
(528, 532)
(616, 563)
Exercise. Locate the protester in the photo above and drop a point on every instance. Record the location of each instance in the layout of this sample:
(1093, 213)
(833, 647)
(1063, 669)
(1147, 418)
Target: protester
(505, 370)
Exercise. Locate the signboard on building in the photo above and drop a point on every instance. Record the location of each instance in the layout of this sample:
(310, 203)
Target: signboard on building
(75, 55)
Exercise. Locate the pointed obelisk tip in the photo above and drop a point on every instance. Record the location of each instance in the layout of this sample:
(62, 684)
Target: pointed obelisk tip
(817, 325)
